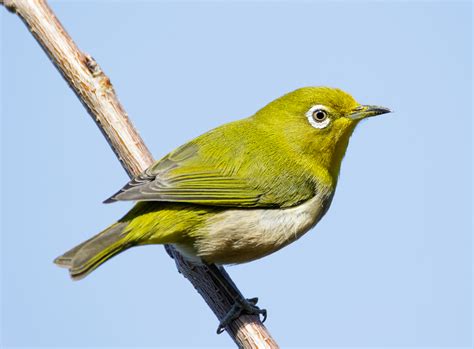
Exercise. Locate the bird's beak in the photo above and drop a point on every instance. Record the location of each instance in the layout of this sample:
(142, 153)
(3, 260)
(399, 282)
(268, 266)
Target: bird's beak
(366, 111)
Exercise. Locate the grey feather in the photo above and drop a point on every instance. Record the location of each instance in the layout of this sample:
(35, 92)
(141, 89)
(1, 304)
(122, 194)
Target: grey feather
(77, 259)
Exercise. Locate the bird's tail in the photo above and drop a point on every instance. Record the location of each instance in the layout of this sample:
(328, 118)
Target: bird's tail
(85, 257)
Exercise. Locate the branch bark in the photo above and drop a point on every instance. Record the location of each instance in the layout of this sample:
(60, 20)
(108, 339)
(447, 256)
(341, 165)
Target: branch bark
(95, 91)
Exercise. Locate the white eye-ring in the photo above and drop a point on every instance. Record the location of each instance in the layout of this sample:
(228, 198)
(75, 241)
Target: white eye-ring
(318, 116)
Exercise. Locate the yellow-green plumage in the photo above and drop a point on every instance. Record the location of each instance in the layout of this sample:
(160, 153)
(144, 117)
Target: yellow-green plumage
(240, 191)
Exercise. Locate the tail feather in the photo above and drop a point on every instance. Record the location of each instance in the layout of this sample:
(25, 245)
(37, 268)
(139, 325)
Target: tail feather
(87, 256)
(65, 261)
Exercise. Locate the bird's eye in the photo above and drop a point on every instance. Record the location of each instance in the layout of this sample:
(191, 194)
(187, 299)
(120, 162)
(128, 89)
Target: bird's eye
(320, 115)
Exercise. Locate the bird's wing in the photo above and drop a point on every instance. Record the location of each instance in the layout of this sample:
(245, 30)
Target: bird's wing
(187, 176)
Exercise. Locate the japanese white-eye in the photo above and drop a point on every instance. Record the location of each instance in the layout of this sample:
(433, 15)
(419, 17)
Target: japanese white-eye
(238, 192)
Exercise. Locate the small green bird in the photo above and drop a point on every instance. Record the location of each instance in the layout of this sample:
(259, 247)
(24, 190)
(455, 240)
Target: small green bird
(239, 192)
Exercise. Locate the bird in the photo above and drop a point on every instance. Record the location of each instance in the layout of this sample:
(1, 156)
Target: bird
(239, 192)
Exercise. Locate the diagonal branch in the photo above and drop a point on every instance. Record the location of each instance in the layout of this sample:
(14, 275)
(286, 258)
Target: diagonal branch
(94, 90)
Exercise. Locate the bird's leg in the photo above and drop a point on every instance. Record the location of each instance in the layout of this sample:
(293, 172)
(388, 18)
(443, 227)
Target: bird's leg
(241, 304)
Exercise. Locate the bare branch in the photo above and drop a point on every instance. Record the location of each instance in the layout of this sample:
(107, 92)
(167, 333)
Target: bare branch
(95, 91)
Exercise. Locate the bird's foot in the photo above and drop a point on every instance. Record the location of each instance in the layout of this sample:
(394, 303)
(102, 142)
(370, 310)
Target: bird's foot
(241, 306)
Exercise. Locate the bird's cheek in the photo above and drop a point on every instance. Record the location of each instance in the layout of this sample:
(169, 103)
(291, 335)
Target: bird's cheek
(344, 122)
(342, 129)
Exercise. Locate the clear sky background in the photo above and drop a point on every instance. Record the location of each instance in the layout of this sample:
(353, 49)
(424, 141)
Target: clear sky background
(389, 265)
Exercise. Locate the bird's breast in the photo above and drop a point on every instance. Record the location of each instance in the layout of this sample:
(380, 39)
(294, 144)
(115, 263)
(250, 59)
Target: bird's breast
(242, 235)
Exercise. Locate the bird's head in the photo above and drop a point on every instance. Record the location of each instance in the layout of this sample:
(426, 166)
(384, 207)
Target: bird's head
(316, 122)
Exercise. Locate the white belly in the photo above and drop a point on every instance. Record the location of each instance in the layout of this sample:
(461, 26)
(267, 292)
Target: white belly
(242, 235)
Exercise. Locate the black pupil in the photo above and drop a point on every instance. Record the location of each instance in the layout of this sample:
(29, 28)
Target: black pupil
(320, 115)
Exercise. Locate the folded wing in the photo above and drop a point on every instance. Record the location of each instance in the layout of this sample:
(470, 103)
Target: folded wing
(188, 177)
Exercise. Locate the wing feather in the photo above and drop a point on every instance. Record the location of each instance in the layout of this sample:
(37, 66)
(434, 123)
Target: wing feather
(186, 176)
(215, 170)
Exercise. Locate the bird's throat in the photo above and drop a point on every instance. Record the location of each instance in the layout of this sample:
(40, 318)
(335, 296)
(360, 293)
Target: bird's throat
(333, 150)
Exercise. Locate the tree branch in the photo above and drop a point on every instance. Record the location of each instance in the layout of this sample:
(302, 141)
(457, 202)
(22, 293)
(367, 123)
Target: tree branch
(96, 93)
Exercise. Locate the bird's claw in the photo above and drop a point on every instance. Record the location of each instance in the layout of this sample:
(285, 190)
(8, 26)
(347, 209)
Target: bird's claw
(243, 306)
